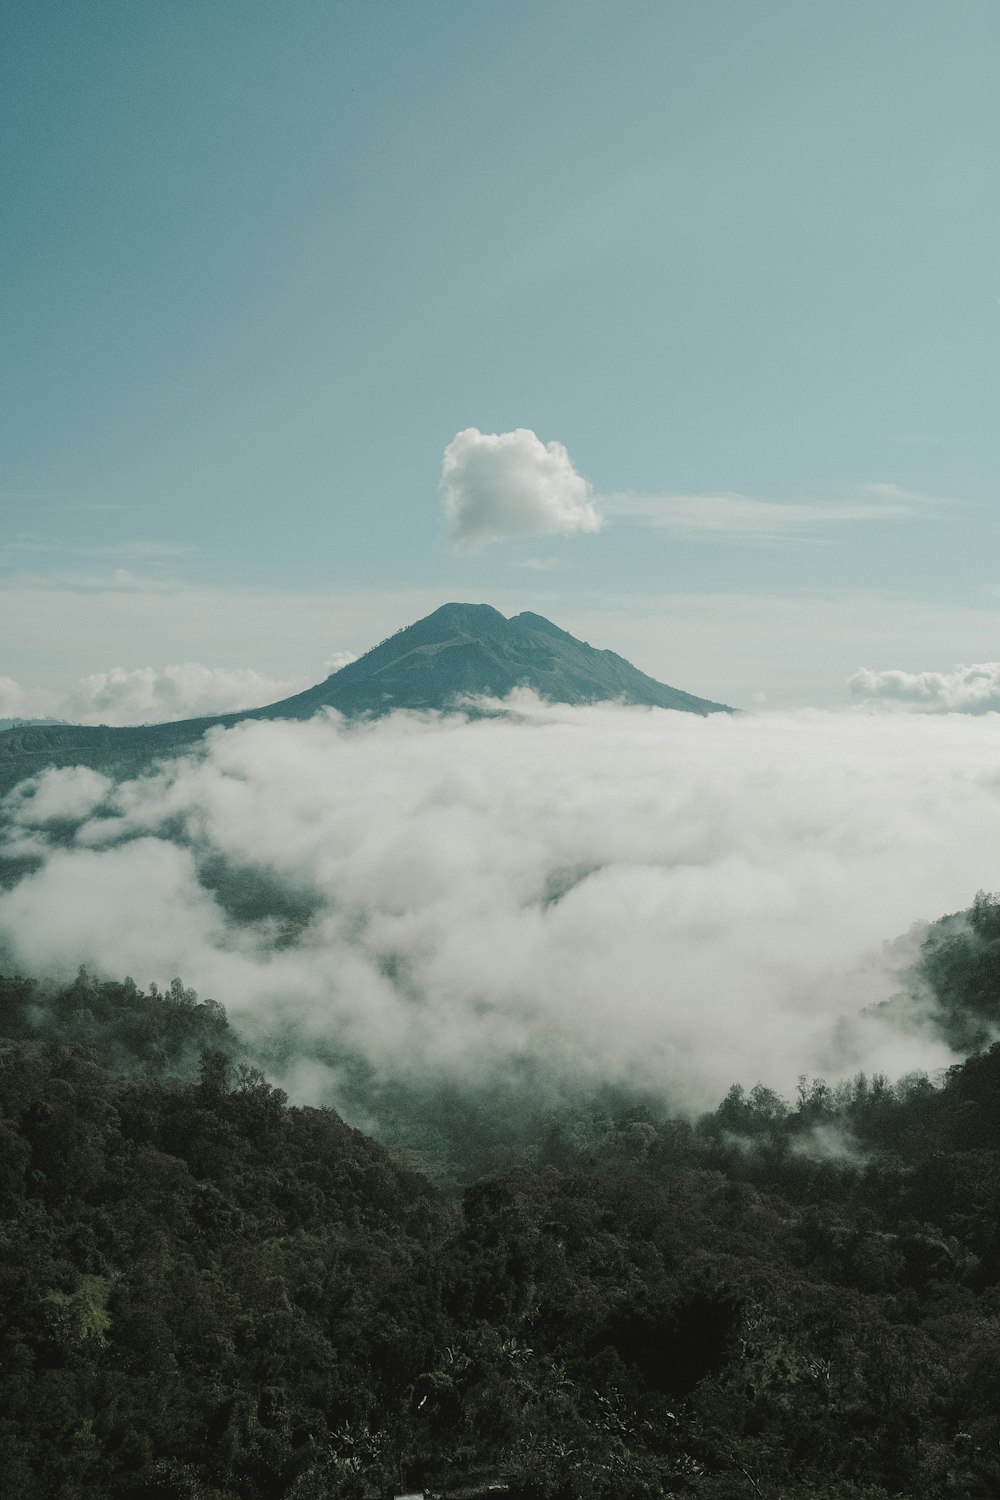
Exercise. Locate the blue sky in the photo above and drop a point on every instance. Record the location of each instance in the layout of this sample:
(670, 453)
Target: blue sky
(262, 262)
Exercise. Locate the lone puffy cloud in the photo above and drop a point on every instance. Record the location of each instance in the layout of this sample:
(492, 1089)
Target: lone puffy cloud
(497, 486)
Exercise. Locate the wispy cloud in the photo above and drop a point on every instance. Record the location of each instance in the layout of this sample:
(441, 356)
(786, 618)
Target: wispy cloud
(151, 550)
(542, 564)
(97, 581)
(744, 518)
(57, 564)
(54, 500)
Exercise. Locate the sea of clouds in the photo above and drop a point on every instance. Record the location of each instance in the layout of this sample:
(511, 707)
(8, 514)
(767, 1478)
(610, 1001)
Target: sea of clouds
(616, 894)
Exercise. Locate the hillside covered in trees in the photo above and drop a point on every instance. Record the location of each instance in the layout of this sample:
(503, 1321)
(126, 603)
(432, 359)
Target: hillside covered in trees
(208, 1292)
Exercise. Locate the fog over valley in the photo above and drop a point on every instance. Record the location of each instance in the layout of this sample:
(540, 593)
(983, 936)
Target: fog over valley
(604, 894)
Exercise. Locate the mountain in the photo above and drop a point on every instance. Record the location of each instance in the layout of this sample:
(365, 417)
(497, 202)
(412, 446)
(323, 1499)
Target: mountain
(465, 649)
(458, 651)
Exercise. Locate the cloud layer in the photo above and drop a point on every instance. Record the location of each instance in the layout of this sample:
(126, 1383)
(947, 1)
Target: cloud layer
(145, 695)
(150, 695)
(510, 484)
(620, 894)
(968, 690)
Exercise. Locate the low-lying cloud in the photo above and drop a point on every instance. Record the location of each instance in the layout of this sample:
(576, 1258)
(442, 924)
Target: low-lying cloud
(147, 695)
(154, 695)
(501, 485)
(968, 690)
(615, 894)
(17, 702)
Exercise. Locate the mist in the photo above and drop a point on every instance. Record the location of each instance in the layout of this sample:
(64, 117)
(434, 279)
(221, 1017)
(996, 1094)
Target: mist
(601, 895)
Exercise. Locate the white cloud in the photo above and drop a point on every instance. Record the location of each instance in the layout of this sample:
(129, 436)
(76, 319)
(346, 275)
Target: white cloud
(150, 695)
(797, 646)
(742, 518)
(69, 794)
(147, 695)
(510, 484)
(11, 697)
(17, 702)
(338, 659)
(969, 690)
(117, 894)
(625, 894)
(542, 564)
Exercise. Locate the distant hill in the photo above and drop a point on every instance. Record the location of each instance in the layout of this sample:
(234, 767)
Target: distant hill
(17, 723)
(458, 651)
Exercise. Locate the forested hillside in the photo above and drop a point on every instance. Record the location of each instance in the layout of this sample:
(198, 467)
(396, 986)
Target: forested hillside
(210, 1293)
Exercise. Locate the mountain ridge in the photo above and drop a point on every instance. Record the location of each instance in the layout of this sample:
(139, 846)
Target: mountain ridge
(457, 652)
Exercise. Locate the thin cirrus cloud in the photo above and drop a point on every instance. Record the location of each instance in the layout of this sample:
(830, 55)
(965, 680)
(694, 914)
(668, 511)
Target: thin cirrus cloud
(148, 551)
(973, 689)
(744, 518)
(151, 550)
(500, 486)
(542, 564)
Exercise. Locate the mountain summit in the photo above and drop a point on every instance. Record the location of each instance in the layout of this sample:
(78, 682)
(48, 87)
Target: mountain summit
(459, 651)
(472, 649)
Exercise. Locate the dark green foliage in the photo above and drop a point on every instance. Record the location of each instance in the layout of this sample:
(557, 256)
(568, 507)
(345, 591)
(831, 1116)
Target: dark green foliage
(199, 1281)
(247, 894)
(205, 1292)
(126, 1029)
(960, 963)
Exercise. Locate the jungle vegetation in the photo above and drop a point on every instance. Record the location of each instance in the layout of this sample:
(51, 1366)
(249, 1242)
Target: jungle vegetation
(209, 1292)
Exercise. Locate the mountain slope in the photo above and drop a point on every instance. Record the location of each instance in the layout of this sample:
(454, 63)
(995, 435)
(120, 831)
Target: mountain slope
(472, 649)
(459, 650)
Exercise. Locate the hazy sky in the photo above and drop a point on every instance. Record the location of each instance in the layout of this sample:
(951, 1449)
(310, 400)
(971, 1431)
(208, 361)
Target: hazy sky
(262, 262)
